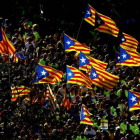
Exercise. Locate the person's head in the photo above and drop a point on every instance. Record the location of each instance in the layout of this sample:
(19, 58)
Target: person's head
(44, 56)
(138, 87)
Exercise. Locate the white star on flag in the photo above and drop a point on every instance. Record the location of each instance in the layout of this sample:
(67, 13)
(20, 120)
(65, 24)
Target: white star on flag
(83, 113)
(124, 55)
(69, 74)
(43, 72)
(118, 58)
(83, 60)
(123, 39)
(133, 99)
(88, 12)
(68, 42)
(94, 74)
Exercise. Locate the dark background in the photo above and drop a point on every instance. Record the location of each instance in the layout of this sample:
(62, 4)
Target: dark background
(67, 15)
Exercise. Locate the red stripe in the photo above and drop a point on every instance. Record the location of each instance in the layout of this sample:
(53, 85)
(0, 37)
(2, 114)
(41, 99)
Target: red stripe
(86, 121)
(11, 47)
(91, 20)
(112, 29)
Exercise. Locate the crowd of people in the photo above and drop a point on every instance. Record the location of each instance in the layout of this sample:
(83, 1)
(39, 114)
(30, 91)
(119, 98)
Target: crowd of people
(34, 121)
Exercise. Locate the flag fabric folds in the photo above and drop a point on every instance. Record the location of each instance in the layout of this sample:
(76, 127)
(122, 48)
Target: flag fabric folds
(133, 100)
(126, 59)
(46, 74)
(6, 46)
(66, 102)
(89, 61)
(73, 45)
(101, 22)
(75, 76)
(19, 92)
(85, 116)
(52, 99)
(105, 79)
(129, 44)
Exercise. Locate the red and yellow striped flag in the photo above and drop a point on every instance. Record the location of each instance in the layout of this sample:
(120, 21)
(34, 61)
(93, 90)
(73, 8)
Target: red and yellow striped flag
(66, 102)
(6, 46)
(104, 78)
(73, 45)
(101, 22)
(75, 76)
(19, 92)
(85, 116)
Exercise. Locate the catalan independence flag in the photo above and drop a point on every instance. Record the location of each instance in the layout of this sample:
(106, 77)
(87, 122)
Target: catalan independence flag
(19, 92)
(6, 46)
(101, 22)
(47, 74)
(85, 116)
(133, 100)
(73, 45)
(126, 59)
(75, 76)
(128, 41)
(66, 102)
(99, 80)
(130, 44)
(85, 64)
(89, 61)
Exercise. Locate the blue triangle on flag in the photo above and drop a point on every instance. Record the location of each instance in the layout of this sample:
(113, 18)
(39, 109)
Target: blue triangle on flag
(70, 74)
(0, 34)
(88, 12)
(82, 114)
(93, 74)
(83, 60)
(68, 42)
(117, 57)
(98, 21)
(47, 104)
(122, 38)
(132, 99)
(40, 73)
(123, 55)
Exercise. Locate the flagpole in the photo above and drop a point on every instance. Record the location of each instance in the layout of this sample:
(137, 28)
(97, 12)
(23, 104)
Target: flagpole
(79, 29)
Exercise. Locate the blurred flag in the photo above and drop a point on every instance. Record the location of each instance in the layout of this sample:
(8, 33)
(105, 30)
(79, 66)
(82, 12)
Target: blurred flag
(85, 116)
(46, 74)
(130, 44)
(73, 45)
(6, 46)
(133, 100)
(126, 59)
(51, 98)
(75, 76)
(85, 63)
(66, 102)
(27, 100)
(19, 92)
(101, 22)
(16, 57)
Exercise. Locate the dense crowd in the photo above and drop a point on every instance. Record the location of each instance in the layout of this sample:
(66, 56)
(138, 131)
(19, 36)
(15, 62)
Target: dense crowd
(22, 121)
